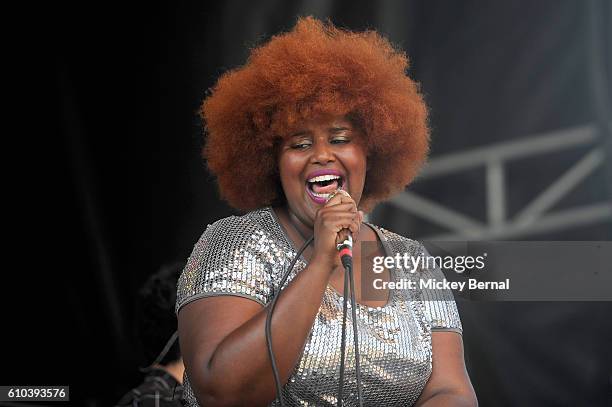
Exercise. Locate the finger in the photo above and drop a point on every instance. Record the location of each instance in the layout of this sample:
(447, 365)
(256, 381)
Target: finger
(337, 207)
(348, 225)
(342, 236)
(340, 218)
(342, 207)
(340, 196)
(356, 226)
(343, 233)
(343, 192)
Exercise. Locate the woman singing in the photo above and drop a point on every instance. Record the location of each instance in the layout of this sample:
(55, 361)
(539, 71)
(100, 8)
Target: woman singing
(319, 126)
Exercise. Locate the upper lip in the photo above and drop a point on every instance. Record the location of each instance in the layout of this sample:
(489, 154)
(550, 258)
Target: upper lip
(329, 171)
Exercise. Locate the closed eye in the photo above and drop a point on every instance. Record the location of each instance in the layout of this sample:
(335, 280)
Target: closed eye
(300, 146)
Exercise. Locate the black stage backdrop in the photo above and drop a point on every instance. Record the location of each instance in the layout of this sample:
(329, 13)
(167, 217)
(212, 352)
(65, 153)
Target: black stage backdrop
(106, 183)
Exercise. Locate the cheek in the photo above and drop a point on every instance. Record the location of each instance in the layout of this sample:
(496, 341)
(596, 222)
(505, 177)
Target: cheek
(289, 170)
(358, 161)
(357, 164)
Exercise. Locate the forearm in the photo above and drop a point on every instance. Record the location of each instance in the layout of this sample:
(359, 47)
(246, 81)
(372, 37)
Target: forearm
(243, 356)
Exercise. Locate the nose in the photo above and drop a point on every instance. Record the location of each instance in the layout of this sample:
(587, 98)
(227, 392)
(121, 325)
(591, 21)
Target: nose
(322, 153)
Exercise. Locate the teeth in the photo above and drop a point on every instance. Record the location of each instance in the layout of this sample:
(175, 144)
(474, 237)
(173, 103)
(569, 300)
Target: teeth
(323, 178)
(322, 195)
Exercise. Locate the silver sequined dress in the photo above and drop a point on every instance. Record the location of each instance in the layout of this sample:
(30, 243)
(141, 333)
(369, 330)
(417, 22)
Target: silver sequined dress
(247, 255)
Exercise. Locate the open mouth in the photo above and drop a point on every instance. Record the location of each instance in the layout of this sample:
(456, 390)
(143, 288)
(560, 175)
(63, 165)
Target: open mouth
(322, 186)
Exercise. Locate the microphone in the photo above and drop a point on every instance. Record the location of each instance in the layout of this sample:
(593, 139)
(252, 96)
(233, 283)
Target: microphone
(345, 248)
(345, 251)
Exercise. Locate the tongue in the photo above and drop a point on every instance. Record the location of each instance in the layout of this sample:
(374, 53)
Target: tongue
(327, 189)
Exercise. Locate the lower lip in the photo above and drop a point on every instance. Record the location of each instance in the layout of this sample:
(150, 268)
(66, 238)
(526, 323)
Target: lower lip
(316, 199)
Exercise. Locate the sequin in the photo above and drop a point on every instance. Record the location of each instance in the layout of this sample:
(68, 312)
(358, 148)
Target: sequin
(247, 255)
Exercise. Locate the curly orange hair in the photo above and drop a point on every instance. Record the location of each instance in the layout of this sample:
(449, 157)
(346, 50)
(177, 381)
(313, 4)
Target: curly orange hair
(314, 69)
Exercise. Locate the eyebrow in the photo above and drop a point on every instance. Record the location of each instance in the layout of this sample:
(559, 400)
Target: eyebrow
(332, 128)
(299, 133)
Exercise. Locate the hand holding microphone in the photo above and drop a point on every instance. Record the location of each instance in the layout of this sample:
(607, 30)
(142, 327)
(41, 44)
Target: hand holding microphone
(334, 224)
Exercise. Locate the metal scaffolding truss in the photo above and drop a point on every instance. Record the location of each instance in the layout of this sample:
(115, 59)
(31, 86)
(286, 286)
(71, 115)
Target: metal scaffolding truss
(535, 217)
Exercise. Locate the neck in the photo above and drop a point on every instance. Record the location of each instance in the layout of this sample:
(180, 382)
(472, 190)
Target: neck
(304, 231)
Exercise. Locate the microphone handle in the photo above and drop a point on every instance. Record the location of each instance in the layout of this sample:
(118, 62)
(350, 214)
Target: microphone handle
(345, 250)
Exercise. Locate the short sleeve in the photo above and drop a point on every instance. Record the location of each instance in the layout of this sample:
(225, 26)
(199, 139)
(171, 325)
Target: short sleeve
(439, 304)
(228, 259)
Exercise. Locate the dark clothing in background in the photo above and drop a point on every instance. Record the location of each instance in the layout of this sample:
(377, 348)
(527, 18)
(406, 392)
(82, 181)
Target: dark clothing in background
(158, 388)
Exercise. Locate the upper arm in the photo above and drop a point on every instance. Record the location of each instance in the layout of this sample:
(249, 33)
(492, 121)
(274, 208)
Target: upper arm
(226, 282)
(202, 326)
(449, 381)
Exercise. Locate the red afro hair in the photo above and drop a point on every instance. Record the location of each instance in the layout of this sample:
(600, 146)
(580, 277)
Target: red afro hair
(314, 69)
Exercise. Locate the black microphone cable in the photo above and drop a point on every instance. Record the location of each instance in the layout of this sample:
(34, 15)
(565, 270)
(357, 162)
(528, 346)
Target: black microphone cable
(346, 256)
(277, 381)
(343, 338)
(347, 262)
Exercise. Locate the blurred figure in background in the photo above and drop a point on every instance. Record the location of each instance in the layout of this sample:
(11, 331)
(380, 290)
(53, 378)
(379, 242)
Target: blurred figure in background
(158, 338)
